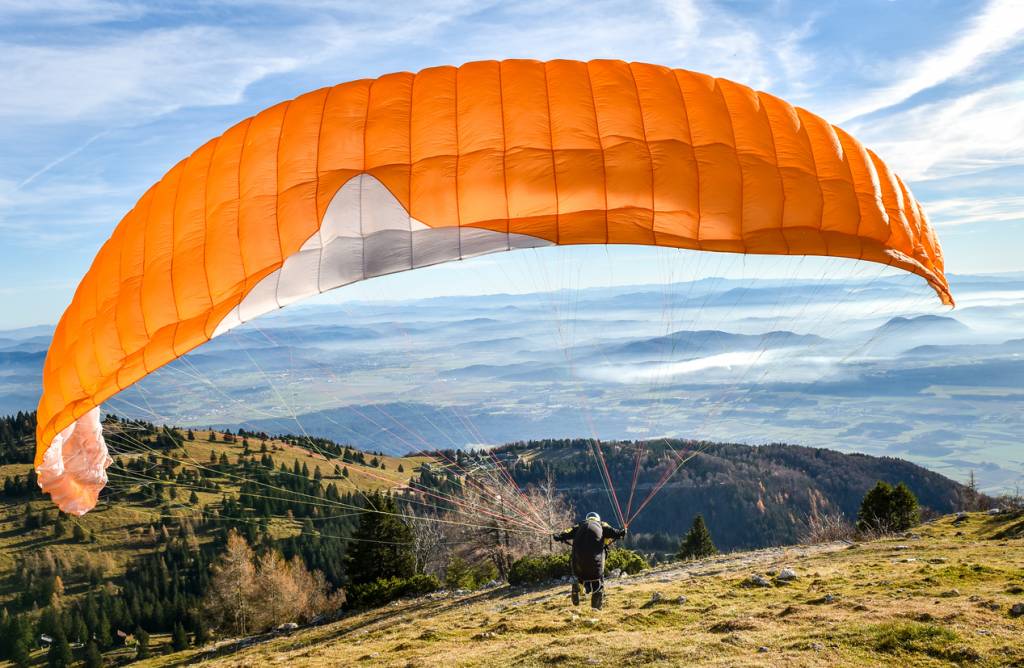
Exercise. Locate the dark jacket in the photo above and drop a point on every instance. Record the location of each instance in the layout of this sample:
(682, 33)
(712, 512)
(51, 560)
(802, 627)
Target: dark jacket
(589, 541)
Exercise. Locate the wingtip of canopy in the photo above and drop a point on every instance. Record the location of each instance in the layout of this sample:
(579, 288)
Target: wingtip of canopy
(73, 469)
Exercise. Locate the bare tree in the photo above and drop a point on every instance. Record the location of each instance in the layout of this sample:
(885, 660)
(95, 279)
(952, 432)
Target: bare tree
(249, 595)
(275, 591)
(231, 600)
(507, 524)
(289, 592)
(554, 508)
(315, 595)
(431, 539)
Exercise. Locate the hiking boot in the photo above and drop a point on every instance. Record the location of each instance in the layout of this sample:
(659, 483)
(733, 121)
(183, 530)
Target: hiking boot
(597, 600)
(575, 593)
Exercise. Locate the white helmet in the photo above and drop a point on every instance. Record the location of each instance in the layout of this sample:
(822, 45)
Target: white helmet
(593, 517)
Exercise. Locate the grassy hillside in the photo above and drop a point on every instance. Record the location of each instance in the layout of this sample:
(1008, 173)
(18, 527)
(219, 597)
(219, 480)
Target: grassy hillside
(936, 597)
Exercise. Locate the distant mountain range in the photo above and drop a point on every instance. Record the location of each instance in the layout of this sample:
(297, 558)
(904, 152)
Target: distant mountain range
(822, 363)
(685, 344)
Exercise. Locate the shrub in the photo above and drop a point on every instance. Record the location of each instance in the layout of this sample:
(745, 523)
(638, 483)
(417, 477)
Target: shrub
(461, 575)
(628, 561)
(886, 508)
(535, 569)
(827, 528)
(384, 590)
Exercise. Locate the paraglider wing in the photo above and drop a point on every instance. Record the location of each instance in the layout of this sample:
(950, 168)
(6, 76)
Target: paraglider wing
(378, 176)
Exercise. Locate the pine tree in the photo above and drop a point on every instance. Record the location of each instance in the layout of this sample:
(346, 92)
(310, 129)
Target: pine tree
(381, 543)
(344, 472)
(6, 632)
(193, 499)
(59, 655)
(201, 632)
(906, 511)
(697, 543)
(79, 631)
(190, 435)
(142, 640)
(102, 632)
(93, 658)
(20, 653)
(179, 638)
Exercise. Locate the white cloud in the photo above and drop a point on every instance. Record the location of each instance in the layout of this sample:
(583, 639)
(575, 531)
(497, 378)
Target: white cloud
(63, 213)
(134, 74)
(721, 43)
(957, 211)
(999, 26)
(68, 12)
(978, 131)
(648, 373)
(148, 73)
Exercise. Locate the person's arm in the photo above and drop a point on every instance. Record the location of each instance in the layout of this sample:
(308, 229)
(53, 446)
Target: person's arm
(565, 536)
(610, 534)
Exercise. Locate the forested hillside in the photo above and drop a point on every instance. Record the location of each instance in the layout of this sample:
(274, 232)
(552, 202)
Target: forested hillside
(136, 570)
(17, 437)
(750, 496)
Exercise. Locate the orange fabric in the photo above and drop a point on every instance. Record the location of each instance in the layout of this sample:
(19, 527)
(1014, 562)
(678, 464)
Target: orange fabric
(566, 151)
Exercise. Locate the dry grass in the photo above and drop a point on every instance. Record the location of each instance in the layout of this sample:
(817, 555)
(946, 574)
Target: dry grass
(887, 602)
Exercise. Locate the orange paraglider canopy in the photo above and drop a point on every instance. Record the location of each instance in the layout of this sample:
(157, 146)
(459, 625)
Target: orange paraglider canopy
(378, 176)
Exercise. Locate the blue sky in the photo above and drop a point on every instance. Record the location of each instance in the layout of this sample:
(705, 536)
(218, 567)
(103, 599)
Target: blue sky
(101, 97)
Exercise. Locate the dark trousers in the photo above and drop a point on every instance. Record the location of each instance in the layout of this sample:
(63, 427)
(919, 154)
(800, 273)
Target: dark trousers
(593, 587)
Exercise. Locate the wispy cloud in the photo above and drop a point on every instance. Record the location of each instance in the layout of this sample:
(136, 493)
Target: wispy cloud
(965, 210)
(152, 72)
(999, 26)
(978, 131)
(58, 161)
(747, 48)
(69, 12)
